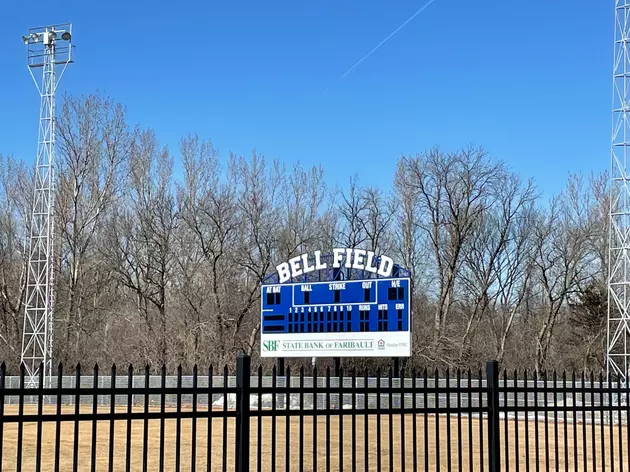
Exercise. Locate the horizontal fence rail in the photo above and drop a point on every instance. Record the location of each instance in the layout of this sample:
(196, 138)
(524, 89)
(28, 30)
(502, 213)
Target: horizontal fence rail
(312, 420)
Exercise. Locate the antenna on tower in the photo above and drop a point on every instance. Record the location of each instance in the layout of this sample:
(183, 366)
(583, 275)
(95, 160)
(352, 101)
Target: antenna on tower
(618, 329)
(47, 47)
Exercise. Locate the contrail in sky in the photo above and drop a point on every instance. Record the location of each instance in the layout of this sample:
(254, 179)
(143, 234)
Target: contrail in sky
(386, 39)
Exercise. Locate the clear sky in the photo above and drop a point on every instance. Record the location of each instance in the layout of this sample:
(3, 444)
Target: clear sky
(529, 80)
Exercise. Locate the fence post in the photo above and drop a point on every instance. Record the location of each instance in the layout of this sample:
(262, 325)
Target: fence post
(243, 377)
(494, 438)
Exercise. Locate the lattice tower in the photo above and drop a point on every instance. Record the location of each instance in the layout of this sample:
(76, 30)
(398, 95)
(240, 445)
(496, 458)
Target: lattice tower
(47, 48)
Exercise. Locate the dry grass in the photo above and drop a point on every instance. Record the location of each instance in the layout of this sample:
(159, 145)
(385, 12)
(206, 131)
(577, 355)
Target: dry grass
(351, 450)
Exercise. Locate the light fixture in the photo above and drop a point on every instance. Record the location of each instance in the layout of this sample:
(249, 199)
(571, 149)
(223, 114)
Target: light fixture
(42, 40)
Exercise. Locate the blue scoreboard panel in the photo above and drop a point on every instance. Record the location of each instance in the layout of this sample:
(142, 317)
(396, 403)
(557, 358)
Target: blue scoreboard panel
(353, 318)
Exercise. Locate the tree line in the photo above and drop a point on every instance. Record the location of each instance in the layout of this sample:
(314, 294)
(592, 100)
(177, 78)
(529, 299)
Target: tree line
(154, 268)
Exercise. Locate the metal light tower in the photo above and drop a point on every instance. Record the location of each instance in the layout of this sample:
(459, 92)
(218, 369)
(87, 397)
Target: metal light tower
(47, 47)
(618, 332)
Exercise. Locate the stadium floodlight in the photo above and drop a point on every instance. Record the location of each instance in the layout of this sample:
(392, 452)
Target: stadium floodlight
(49, 39)
(46, 47)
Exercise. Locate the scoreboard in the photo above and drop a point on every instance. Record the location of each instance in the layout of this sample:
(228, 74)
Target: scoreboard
(341, 318)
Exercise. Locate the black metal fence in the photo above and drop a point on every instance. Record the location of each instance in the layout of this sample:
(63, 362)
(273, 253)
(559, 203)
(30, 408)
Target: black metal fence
(403, 421)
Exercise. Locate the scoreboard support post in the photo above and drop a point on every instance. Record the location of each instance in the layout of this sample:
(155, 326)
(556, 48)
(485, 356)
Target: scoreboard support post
(396, 366)
(337, 366)
(280, 365)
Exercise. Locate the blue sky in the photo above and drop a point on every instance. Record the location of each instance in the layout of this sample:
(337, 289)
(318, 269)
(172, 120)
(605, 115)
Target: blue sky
(530, 81)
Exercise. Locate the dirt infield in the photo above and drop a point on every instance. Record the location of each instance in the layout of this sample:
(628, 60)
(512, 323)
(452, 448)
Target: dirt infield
(349, 448)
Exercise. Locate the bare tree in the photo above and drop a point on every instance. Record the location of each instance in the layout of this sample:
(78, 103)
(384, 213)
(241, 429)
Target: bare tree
(142, 237)
(351, 209)
(409, 241)
(588, 309)
(379, 214)
(301, 200)
(588, 324)
(93, 140)
(514, 281)
(259, 192)
(486, 257)
(13, 213)
(209, 211)
(563, 236)
(451, 192)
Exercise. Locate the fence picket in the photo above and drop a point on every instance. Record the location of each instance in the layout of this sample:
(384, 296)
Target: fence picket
(162, 418)
(448, 421)
(94, 412)
(414, 407)
(402, 419)
(459, 420)
(209, 425)
(260, 421)
(274, 380)
(20, 413)
(437, 417)
(287, 419)
(3, 370)
(315, 415)
(516, 431)
(470, 424)
(145, 422)
(129, 410)
(112, 407)
(340, 410)
(601, 422)
(40, 411)
(77, 403)
(378, 423)
(57, 423)
(566, 427)
(193, 427)
(481, 449)
(546, 413)
(506, 429)
(526, 410)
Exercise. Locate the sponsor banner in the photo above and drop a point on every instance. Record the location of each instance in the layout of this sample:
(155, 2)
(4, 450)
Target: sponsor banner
(363, 344)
